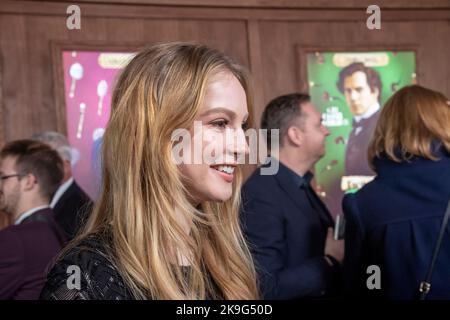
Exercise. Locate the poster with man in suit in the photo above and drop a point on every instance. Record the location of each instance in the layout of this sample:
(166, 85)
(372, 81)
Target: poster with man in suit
(350, 88)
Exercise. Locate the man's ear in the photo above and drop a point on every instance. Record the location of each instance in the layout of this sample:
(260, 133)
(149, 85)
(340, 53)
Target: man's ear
(29, 182)
(294, 136)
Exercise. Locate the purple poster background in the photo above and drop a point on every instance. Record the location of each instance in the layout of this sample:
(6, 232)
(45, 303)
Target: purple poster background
(89, 78)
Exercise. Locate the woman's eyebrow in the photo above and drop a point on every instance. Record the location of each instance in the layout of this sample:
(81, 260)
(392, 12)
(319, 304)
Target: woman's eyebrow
(228, 112)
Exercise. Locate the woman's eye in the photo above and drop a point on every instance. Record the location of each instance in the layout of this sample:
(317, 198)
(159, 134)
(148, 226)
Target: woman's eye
(220, 123)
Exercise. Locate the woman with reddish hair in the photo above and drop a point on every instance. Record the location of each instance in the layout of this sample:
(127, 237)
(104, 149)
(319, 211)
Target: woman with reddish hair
(393, 222)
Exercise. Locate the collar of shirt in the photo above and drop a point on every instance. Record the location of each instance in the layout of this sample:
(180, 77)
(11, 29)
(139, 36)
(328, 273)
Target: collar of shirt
(371, 111)
(58, 194)
(300, 181)
(28, 213)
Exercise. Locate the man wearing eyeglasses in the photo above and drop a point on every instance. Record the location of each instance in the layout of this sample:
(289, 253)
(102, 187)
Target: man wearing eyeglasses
(30, 173)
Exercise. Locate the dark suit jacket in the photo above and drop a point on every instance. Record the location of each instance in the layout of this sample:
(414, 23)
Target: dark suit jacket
(72, 210)
(286, 236)
(393, 222)
(356, 162)
(25, 252)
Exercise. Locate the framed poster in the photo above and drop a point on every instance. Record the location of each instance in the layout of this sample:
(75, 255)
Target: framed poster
(349, 89)
(87, 77)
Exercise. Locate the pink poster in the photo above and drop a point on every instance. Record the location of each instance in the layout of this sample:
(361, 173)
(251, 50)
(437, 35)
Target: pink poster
(89, 78)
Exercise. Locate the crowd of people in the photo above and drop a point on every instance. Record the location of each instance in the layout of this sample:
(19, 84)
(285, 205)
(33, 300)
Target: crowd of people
(161, 229)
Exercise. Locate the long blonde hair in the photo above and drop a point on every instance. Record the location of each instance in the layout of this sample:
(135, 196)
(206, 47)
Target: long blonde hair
(159, 91)
(410, 121)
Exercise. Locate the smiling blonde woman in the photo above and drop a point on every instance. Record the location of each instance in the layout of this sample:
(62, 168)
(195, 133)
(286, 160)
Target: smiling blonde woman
(162, 230)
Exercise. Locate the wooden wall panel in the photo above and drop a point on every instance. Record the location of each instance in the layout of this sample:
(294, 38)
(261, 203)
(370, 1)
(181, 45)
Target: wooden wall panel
(264, 35)
(289, 3)
(28, 103)
(29, 89)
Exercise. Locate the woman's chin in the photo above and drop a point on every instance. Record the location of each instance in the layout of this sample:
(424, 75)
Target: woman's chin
(220, 195)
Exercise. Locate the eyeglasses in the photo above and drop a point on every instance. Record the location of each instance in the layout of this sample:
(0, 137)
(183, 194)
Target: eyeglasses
(2, 178)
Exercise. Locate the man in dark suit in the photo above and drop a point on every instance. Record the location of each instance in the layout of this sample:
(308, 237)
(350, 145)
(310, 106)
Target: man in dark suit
(30, 172)
(362, 89)
(288, 227)
(70, 204)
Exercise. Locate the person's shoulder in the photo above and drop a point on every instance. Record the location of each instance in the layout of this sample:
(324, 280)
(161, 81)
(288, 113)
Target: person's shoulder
(10, 232)
(83, 251)
(80, 190)
(76, 192)
(85, 271)
(372, 205)
(20, 233)
(354, 203)
(349, 200)
(259, 180)
(87, 255)
(370, 192)
(10, 241)
(73, 202)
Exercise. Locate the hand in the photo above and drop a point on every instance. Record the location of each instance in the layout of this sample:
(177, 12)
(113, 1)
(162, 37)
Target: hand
(334, 248)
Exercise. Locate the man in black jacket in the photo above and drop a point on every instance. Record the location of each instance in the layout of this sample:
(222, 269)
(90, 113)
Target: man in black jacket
(70, 204)
(288, 227)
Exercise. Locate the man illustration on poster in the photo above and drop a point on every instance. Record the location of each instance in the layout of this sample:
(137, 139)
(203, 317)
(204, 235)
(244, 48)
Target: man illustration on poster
(362, 89)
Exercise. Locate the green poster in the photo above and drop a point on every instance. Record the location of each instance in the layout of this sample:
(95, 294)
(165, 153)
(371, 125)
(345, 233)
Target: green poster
(349, 89)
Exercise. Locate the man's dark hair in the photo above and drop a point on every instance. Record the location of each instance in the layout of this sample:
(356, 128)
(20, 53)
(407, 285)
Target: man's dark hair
(280, 112)
(372, 76)
(39, 159)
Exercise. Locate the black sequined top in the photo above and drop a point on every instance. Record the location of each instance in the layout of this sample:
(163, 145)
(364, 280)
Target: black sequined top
(99, 278)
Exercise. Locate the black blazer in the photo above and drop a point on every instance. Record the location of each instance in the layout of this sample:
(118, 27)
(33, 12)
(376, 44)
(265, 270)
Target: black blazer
(286, 236)
(72, 210)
